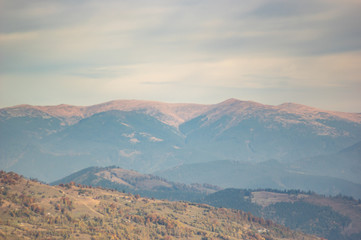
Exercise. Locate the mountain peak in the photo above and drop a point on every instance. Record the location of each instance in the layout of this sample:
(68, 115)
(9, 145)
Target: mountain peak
(231, 100)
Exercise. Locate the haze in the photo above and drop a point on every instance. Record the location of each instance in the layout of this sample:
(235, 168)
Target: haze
(87, 52)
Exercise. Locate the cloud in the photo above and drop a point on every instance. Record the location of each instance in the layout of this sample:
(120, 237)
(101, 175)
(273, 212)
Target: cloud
(89, 51)
(288, 9)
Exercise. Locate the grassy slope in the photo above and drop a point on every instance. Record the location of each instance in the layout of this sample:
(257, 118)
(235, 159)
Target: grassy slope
(31, 210)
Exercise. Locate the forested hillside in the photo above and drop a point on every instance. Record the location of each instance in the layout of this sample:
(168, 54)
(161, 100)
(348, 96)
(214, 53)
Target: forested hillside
(32, 210)
(334, 218)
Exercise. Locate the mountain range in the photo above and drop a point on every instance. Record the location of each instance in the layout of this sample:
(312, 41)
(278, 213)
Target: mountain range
(301, 142)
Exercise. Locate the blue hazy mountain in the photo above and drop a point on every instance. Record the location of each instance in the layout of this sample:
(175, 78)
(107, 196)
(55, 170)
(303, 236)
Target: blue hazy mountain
(50, 142)
(269, 174)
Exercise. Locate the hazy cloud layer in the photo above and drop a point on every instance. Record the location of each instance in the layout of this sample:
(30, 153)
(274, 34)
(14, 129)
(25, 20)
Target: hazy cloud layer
(85, 52)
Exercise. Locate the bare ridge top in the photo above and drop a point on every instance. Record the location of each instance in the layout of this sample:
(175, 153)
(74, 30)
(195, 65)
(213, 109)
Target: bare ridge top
(175, 114)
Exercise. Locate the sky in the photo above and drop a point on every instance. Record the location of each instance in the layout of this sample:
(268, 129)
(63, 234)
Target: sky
(86, 52)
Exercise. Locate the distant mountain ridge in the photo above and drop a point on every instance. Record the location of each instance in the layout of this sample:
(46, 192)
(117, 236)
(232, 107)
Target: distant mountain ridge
(345, 164)
(173, 113)
(269, 174)
(134, 182)
(170, 113)
(50, 142)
